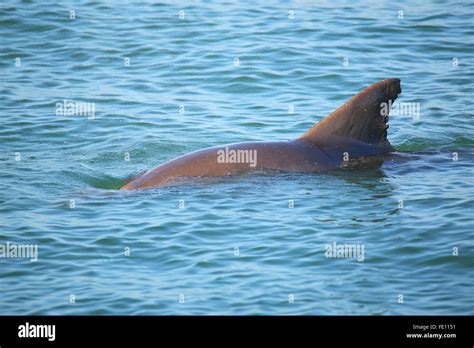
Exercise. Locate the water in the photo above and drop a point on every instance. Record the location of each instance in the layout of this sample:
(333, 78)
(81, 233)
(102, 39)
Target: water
(235, 247)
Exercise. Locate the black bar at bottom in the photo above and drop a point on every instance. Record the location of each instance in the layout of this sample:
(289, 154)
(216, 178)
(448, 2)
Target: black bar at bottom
(140, 330)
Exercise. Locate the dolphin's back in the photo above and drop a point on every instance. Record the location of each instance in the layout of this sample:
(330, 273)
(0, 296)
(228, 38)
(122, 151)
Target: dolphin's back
(356, 129)
(288, 156)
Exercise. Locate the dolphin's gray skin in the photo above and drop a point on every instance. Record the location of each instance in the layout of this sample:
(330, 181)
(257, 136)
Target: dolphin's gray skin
(357, 129)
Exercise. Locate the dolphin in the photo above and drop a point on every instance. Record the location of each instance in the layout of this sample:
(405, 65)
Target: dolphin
(356, 130)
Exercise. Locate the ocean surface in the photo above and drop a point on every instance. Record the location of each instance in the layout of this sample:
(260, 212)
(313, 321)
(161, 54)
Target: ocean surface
(161, 83)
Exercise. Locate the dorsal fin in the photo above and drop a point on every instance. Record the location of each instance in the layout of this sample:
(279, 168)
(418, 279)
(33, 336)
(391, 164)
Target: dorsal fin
(364, 117)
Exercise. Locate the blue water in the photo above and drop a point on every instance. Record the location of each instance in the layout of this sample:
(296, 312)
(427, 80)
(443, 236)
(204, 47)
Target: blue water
(234, 246)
